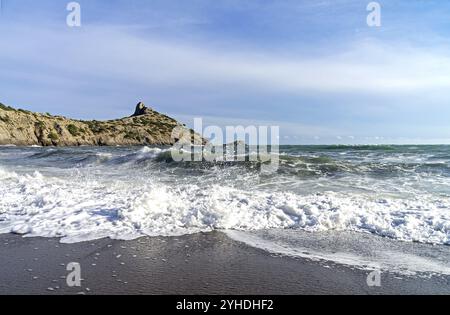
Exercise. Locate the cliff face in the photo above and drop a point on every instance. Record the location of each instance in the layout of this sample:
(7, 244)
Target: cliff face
(145, 127)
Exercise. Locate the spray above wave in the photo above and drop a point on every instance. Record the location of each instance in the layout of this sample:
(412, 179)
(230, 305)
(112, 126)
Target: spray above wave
(300, 165)
(312, 165)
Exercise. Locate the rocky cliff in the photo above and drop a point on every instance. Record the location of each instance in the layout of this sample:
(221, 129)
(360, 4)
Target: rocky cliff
(144, 127)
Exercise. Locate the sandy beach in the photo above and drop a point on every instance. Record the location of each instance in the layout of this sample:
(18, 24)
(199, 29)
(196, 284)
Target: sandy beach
(206, 263)
(211, 149)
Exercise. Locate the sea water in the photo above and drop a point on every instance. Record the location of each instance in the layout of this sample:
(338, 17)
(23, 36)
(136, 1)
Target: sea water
(373, 201)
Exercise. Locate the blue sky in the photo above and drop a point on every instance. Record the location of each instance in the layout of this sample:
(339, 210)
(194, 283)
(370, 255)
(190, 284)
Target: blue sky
(313, 67)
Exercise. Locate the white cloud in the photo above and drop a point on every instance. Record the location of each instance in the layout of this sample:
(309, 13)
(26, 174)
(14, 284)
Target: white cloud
(54, 61)
(369, 67)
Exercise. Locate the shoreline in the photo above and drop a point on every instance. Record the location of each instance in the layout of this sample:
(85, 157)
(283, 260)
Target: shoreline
(204, 263)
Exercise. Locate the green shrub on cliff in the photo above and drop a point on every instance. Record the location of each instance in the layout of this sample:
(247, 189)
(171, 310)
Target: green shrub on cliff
(132, 135)
(53, 136)
(96, 126)
(4, 107)
(25, 111)
(74, 131)
(40, 124)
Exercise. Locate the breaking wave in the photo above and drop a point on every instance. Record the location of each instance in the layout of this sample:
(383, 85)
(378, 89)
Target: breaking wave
(82, 208)
(87, 193)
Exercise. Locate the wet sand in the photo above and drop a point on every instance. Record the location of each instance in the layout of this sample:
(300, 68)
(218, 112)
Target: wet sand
(207, 263)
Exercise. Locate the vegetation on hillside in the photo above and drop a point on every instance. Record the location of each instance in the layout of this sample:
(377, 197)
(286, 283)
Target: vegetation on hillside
(145, 127)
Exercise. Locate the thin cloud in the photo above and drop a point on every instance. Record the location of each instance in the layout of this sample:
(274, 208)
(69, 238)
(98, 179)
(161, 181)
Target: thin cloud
(370, 67)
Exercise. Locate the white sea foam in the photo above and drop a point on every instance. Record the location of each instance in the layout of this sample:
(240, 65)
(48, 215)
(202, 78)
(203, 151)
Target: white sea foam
(148, 151)
(381, 257)
(85, 207)
(6, 174)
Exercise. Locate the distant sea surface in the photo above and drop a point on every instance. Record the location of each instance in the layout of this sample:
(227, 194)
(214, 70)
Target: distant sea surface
(384, 207)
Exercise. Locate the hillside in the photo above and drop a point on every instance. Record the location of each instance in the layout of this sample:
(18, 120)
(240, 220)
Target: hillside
(145, 127)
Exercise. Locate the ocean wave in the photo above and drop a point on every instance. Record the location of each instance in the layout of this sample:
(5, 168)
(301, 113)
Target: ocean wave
(296, 164)
(4, 174)
(360, 147)
(85, 208)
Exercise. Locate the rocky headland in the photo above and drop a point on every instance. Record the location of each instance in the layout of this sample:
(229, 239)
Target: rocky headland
(145, 127)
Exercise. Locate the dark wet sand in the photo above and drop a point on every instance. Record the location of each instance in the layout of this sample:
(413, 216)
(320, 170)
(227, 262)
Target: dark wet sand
(197, 264)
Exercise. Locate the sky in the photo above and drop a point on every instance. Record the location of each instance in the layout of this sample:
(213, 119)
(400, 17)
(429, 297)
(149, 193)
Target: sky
(312, 67)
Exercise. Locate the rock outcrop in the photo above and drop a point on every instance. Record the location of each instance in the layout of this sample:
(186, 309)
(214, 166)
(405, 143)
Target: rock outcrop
(145, 127)
(141, 109)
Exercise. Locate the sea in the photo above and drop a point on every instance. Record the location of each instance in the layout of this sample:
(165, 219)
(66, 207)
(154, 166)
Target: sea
(375, 207)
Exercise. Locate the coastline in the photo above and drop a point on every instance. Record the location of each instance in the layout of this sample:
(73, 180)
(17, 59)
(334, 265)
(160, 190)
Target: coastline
(204, 263)
(145, 127)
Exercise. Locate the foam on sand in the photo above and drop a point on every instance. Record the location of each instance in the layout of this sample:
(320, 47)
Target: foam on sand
(84, 207)
(366, 252)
